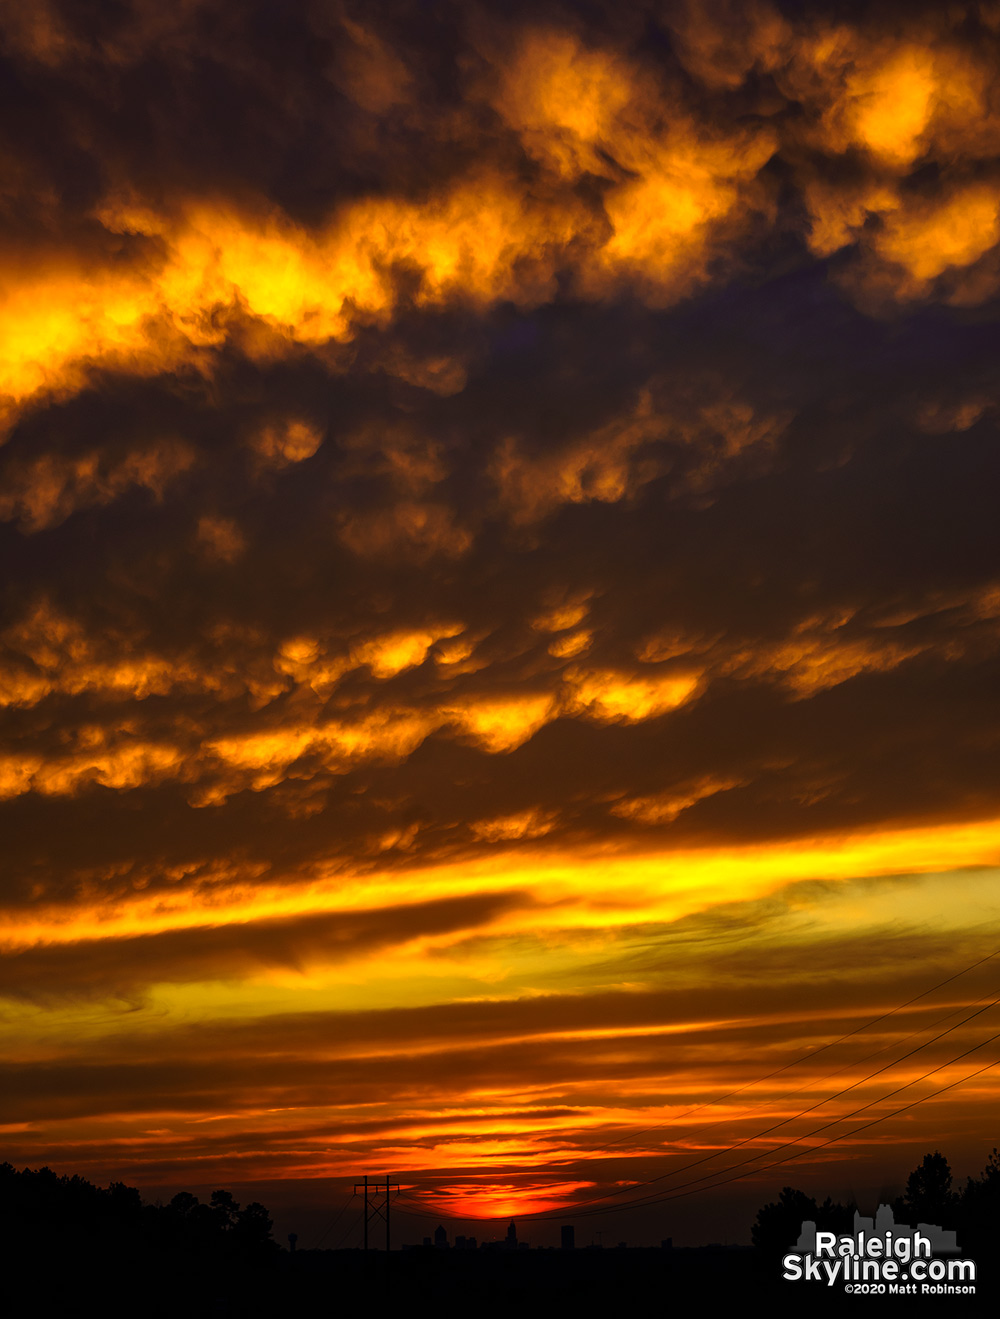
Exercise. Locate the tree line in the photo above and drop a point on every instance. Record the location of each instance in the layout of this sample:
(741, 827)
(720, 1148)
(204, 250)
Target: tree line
(971, 1210)
(40, 1210)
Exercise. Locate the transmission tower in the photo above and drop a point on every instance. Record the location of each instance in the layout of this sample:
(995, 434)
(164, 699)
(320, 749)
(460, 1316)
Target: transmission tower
(377, 1196)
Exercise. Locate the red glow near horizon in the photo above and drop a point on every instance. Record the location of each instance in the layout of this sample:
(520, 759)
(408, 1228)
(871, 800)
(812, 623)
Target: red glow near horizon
(498, 1200)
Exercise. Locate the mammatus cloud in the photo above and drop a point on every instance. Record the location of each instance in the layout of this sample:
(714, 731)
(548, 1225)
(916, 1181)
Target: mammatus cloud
(856, 115)
(499, 627)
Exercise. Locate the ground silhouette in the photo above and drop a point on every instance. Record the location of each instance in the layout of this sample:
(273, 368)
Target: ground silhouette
(73, 1247)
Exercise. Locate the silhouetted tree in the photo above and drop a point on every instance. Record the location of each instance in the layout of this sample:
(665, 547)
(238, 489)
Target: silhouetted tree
(979, 1218)
(124, 1200)
(928, 1197)
(777, 1225)
(252, 1229)
(225, 1207)
(93, 1234)
(184, 1204)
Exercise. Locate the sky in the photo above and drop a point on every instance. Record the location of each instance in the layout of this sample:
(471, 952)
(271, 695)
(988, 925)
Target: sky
(500, 601)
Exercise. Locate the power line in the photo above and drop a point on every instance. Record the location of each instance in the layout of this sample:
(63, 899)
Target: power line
(766, 1131)
(813, 1053)
(333, 1224)
(679, 1195)
(693, 1131)
(584, 1207)
(349, 1230)
(843, 1117)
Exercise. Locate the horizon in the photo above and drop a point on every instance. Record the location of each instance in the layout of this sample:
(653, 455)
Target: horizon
(344, 1231)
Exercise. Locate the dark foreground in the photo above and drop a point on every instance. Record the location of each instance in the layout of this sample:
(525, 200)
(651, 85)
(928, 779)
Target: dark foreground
(521, 1284)
(74, 1249)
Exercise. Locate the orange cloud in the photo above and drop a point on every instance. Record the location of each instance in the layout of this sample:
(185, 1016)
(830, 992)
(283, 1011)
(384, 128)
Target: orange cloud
(566, 102)
(664, 807)
(391, 654)
(501, 723)
(289, 441)
(580, 110)
(420, 529)
(532, 823)
(571, 645)
(892, 105)
(221, 539)
(44, 491)
(813, 663)
(479, 239)
(607, 694)
(110, 762)
(928, 239)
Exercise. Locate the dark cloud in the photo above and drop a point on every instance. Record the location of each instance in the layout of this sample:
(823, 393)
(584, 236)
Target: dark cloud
(101, 967)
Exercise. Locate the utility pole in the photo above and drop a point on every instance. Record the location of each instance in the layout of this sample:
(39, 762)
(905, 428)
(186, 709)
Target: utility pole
(375, 1205)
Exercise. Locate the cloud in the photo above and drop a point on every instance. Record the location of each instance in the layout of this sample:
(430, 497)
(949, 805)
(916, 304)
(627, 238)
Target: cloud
(496, 515)
(44, 492)
(122, 967)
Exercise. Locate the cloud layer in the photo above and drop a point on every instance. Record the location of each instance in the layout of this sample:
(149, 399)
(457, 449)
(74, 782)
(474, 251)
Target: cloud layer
(499, 556)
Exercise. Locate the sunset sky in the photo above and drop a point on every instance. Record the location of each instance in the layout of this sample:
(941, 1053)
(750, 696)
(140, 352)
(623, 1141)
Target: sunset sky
(501, 598)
